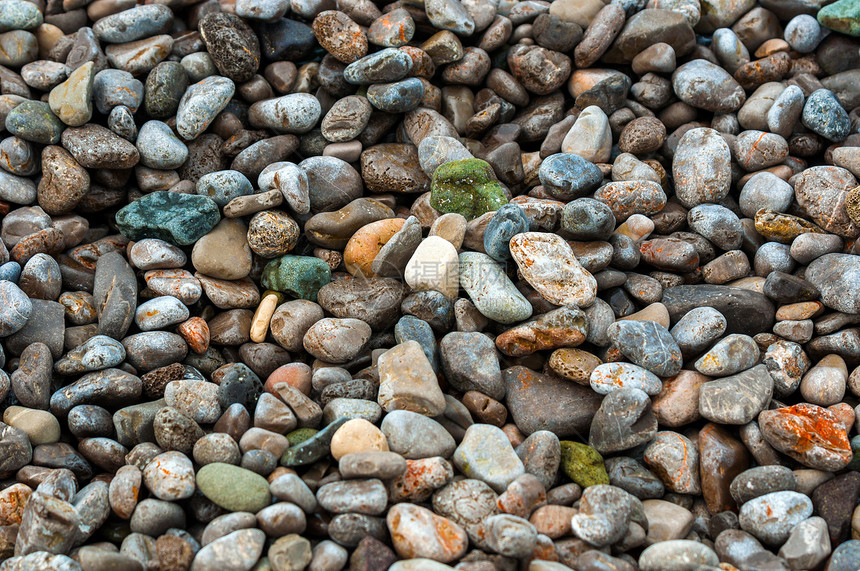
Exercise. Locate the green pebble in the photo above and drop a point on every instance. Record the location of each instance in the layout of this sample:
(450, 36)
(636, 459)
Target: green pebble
(842, 16)
(583, 464)
(35, 122)
(299, 435)
(466, 187)
(312, 449)
(178, 218)
(233, 488)
(300, 276)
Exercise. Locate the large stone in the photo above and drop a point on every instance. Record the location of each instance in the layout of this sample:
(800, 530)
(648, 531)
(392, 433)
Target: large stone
(737, 399)
(543, 402)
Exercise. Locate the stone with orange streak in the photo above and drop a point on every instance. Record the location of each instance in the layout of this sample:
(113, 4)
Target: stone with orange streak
(421, 478)
(124, 490)
(721, 458)
(418, 532)
(366, 243)
(812, 435)
(12, 502)
(393, 29)
(563, 327)
(523, 496)
(845, 413)
(674, 459)
(769, 68)
(195, 331)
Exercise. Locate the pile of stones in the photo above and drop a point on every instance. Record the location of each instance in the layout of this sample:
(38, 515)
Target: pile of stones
(430, 284)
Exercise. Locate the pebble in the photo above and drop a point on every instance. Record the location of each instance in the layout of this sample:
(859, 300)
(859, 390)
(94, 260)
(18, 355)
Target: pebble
(233, 488)
(422, 402)
(485, 454)
(419, 533)
(771, 517)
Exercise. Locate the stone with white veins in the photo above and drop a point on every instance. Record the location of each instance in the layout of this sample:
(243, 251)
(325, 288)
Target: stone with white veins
(548, 263)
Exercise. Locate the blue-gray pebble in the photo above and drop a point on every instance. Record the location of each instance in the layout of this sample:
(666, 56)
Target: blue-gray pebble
(398, 97)
(507, 222)
(587, 219)
(824, 115)
(566, 176)
(384, 66)
(224, 186)
(134, 24)
(201, 103)
(159, 148)
(112, 87)
(410, 328)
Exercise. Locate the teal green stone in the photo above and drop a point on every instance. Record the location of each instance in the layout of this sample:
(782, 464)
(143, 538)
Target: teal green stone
(178, 218)
(19, 15)
(312, 449)
(35, 122)
(300, 276)
(233, 488)
(466, 187)
(842, 16)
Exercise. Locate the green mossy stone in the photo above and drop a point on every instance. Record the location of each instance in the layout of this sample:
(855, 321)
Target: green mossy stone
(842, 16)
(583, 464)
(233, 488)
(466, 187)
(300, 276)
(180, 219)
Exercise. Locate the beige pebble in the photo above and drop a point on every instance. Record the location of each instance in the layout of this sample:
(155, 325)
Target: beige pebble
(357, 435)
(262, 318)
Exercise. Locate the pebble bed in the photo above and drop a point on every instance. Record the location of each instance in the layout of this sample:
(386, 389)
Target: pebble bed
(487, 285)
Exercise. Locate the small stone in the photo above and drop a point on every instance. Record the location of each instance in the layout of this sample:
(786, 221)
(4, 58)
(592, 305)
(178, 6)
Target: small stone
(674, 459)
(233, 488)
(417, 532)
(583, 464)
(486, 454)
(771, 517)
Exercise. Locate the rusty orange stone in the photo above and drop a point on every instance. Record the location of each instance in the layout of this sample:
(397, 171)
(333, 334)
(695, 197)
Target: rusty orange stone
(812, 435)
(195, 331)
(366, 243)
(781, 227)
(297, 375)
(564, 327)
(12, 502)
